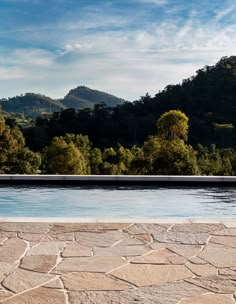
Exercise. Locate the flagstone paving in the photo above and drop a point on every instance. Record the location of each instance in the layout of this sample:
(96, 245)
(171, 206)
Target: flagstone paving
(118, 263)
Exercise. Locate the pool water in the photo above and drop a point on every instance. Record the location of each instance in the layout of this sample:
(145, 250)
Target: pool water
(117, 202)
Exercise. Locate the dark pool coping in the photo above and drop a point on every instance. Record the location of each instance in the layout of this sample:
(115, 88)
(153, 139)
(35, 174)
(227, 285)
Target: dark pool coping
(119, 179)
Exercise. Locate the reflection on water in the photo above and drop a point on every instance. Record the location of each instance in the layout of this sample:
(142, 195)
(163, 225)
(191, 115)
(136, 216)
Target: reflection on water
(115, 202)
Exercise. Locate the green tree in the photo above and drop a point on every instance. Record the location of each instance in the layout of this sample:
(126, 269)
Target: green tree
(63, 158)
(175, 158)
(167, 153)
(173, 125)
(84, 145)
(96, 161)
(14, 156)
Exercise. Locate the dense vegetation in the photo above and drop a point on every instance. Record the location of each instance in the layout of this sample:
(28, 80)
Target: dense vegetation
(208, 99)
(164, 153)
(185, 129)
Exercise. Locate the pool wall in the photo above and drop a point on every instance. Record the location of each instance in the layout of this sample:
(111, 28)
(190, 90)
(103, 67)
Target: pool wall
(119, 179)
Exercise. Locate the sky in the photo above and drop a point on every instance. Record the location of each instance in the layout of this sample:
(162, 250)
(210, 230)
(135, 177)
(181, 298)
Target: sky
(124, 47)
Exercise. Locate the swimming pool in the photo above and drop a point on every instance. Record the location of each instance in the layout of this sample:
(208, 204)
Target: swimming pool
(116, 202)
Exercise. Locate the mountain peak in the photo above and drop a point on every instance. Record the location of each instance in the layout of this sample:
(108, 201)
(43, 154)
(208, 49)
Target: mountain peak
(84, 97)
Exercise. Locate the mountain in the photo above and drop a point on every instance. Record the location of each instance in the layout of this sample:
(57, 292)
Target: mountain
(31, 105)
(83, 97)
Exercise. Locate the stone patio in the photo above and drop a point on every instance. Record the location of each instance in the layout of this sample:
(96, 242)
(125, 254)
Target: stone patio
(118, 263)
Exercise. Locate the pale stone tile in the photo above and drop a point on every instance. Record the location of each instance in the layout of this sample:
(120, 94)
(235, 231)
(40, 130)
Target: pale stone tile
(229, 273)
(197, 228)
(92, 281)
(12, 250)
(219, 256)
(144, 238)
(210, 299)
(143, 228)
(118, 250)
(4, 295)
(202, 269)
(55, 284)
(33, 237)
(47, 248)
(21, 280)
(41, 263)
(92, 264)
(187, 238)
(146, 274)
(226, 232)
(39, 296)
(170, 293)
(74, 249)
(217, 284)
(229, 241)
(197, 260)
(5, 269)
(162, 256)
(88, 227)
(187, 251)
(26, 227)
(103, 239)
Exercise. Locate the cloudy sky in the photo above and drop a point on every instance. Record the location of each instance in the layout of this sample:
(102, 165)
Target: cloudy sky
(123, 47)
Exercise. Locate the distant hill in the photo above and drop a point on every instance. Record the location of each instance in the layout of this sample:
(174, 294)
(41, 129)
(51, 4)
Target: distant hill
(33, 105)
(83, 97)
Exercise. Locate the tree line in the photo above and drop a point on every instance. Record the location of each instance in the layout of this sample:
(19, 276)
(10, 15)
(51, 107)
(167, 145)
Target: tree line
(167, 152)
(208, 99)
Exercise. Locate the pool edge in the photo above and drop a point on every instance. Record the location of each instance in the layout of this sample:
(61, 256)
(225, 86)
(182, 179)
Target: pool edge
(228, 222)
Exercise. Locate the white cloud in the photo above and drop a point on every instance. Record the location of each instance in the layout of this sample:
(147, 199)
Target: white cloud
(127, 62)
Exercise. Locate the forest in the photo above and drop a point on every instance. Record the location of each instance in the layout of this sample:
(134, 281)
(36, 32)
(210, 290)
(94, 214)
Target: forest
(185, 129)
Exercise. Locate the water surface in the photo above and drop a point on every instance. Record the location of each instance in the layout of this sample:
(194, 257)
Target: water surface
(117, 202)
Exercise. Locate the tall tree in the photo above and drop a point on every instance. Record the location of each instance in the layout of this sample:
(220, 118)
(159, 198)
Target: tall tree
(63, 158)
(15, 157)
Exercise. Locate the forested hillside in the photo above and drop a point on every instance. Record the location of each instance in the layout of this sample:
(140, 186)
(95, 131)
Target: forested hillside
(33, 105)
(208, 99)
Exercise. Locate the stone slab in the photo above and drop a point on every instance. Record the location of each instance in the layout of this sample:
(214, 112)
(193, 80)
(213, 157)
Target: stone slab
(210, 299)
(47, 248)
(74, 249)
(92, 281)
(125, 251)
(162, 256)
(21, 280)
(102, 239)
(42, 263)
(90, 264)
(12, 250)
(216, 284)
(26, 227)
(170, 293)
(144, 275)
(219, 256)
(39, 296)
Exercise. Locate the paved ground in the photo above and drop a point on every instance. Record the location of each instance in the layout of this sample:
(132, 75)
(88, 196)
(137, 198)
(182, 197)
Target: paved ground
(114, 263)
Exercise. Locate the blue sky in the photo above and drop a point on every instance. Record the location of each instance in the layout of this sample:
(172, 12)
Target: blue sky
(126, 48)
